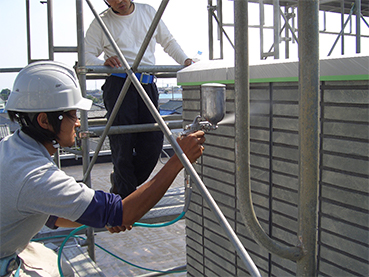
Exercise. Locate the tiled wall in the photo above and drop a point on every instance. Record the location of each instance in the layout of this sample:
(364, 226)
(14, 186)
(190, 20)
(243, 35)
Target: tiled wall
(343, 239)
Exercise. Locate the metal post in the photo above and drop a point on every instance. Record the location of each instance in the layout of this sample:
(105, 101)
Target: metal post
(308, 22)
(210, 32)
(242, 138)
(358, 26)
(343, 27)
(28, 18)
(50, 29)
(293, 29)
(277, 22)
(220, 27)
(287, 34)
(84, 117)
(288, 26)
(261, 22)
(57, 158)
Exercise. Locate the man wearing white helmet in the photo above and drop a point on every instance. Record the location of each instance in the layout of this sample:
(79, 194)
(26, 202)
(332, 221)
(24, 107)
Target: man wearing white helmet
(34, 191)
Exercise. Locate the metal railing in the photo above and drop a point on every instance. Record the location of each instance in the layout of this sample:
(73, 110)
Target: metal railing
(288, 15)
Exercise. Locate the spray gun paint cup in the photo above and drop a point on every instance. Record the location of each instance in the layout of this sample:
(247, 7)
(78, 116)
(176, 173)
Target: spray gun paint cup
(213, 99)
(213, 102)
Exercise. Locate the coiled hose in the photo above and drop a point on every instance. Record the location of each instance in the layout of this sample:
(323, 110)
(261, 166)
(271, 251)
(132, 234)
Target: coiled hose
(188, 192)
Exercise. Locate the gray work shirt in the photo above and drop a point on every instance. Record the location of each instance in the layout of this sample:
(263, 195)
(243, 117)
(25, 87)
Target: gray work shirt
(32, 188)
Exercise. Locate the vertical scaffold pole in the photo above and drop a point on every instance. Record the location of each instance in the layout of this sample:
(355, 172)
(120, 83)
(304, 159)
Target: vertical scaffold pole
(308, 26)
(277, 27)
(50, 29)
(358, 26)
(84, 118)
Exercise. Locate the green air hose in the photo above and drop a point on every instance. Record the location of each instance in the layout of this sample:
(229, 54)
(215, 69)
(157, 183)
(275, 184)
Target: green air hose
(136, 224)
(62, 246)
(159, 225)
(102, 248)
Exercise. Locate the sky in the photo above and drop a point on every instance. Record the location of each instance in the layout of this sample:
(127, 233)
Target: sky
(186, 19)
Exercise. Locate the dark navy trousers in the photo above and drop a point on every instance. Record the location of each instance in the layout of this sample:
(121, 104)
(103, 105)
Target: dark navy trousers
(134, 155)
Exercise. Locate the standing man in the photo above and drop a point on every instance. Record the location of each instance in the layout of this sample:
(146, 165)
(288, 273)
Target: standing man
(134, 155)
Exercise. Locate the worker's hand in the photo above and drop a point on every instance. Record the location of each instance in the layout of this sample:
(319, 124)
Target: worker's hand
(113, 62)
(188, 62)
(118, 229)
(192, 145)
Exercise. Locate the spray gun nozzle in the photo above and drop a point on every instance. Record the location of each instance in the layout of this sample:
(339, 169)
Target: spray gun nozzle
(198, 125)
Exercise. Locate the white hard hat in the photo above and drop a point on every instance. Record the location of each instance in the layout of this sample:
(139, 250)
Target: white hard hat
(46, 86)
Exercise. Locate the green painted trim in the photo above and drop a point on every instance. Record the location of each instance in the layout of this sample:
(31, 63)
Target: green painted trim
(275, 80)
(201, 83)
(362, 77)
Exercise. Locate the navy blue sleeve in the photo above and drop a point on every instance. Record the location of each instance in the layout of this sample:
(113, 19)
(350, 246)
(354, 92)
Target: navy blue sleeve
(104, 209)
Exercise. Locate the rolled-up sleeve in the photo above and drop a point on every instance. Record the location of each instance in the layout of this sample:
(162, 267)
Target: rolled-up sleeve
(105, 209)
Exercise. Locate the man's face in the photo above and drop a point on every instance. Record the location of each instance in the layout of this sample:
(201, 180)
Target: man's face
(122, 7)
(68, 126)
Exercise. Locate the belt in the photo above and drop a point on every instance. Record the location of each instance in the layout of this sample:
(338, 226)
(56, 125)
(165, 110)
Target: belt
(144, 78)
(8, 264)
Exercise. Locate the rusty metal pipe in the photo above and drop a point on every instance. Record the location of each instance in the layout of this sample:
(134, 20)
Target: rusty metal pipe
(242, 139)
(308, 16)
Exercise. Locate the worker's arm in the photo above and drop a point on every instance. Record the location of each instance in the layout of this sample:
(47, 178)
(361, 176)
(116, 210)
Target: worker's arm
(66, 223)
(145, 197)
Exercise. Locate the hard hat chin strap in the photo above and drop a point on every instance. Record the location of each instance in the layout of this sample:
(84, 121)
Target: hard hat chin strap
(29, 125)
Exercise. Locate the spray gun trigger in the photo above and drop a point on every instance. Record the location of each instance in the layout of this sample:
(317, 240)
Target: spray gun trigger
(197, 125)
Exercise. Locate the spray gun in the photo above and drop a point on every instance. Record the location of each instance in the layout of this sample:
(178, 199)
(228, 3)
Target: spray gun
(212, 107)
(197, 125)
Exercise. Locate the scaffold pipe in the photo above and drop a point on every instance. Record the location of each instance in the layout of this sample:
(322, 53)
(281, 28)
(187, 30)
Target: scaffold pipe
(144, 68)
(137, 128)
(309, 129)
(242, 140)
(182, 157)
(127, 70)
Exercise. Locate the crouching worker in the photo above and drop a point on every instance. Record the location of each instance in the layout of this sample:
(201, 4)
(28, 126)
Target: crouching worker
(35, 192)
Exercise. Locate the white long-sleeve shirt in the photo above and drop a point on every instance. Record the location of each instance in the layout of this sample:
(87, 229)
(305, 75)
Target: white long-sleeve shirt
(129, 32)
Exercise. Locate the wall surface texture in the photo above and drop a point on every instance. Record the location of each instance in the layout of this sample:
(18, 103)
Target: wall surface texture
(343, 221)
